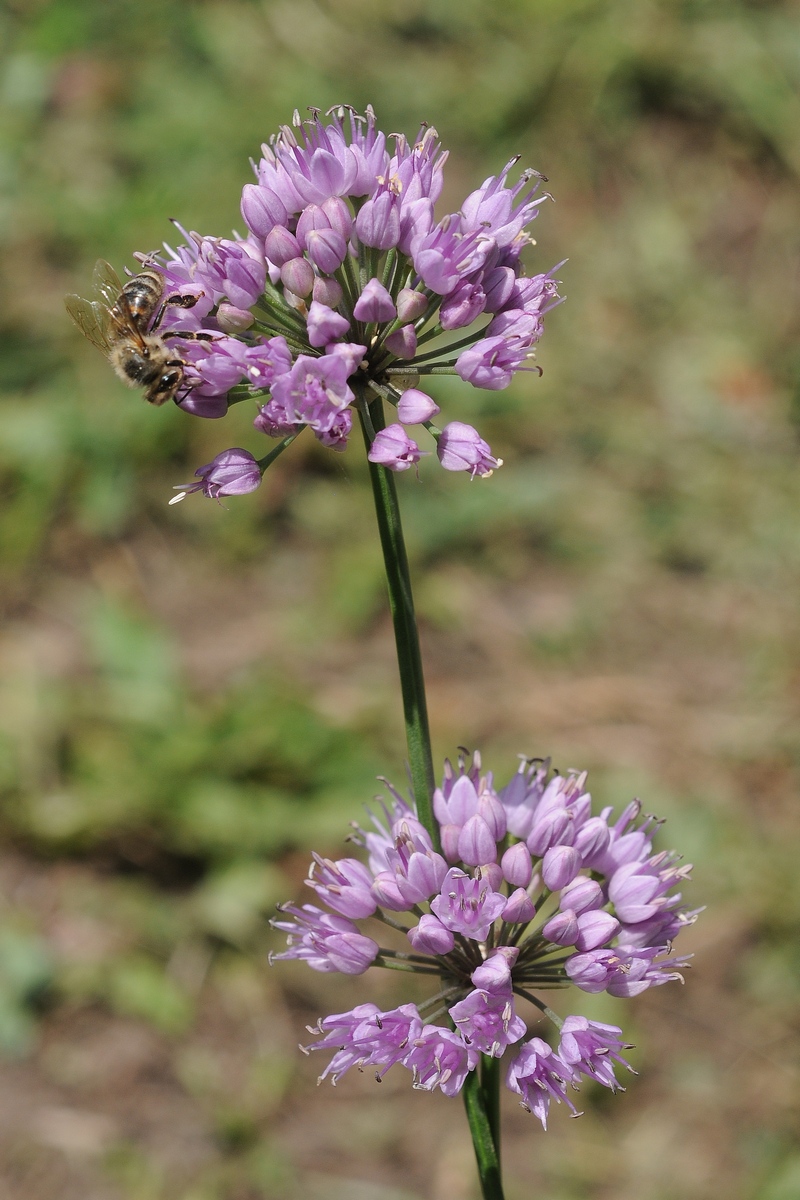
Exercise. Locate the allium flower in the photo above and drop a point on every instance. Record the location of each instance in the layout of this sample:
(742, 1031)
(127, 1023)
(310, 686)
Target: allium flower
(343, 249)
(366, 1037)
(515, 906)
(325, 941)
(394, 448)
(440, 1058)
(231, 473)
(461, 448)
(538, 1075)
(414, 407)
(487, 1020)
(591, 1048)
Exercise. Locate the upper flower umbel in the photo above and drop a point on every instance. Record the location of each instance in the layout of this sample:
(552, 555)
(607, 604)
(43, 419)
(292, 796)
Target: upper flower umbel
(530, 893)
(347, 291)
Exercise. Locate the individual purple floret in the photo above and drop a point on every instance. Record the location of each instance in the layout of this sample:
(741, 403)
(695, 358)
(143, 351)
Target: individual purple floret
(231, 473)
(394, 449)
(538, 1075)
(515, 906)
(487, 1020)
(345, 886)
(591, 1048)
(367, 1037)
(467, 905)
(326, 941)
(344, 248)
(625, 971)
(414, 407)
(314, 392)
(440, 1058)
(461, 448)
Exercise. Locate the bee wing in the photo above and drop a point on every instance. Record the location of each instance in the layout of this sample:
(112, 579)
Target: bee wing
(121, 321)
(92, 318)
(107, 283)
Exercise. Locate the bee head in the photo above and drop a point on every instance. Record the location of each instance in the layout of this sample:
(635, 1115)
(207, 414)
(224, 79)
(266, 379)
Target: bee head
(165, 386)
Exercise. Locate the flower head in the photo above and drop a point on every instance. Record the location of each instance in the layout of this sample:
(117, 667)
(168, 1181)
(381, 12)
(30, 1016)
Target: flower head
(343, 248)
(514, 906)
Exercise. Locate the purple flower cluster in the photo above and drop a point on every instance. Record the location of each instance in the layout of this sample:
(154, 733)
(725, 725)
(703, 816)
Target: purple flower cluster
(529, 892)
(347, 291)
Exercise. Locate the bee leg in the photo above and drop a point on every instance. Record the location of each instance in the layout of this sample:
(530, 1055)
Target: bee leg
(191, 336)
(182, 301)
(178, 301)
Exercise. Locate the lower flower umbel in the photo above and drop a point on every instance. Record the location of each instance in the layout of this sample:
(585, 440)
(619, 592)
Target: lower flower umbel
(530, 893)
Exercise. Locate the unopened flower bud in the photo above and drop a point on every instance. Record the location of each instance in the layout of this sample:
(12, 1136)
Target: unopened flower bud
(595, 929)
(374, 304)
(339, 216)
(491, 872)
(496, 971)
(562, 928)
(324, 325)
(262, 209)
(430, 936)
(280, 246)
(411, 305)
(232, 319)
(414, 407)
(312, 217)
(592, 839)
(582, 895)
(517, 865)
(378, 221)
(327, 291)
(449, 835)
(403, 342)
(548, 831)
(475, 843)
(560, 865)
(493, 813)
(298, 276)
(520, 908)
(326, 248)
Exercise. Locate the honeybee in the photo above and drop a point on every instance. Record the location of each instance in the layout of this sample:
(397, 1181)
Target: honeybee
(123, 323)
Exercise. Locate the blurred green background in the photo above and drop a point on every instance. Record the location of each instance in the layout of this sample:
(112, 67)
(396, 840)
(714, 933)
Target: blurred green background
(192, 698)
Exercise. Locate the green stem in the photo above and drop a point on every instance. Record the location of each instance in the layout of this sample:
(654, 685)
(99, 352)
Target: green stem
(423, 369)
(480, 1126)
(490, 1082)
(465, 341)
(401, 601)
(269, 459)
(481, 1089)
